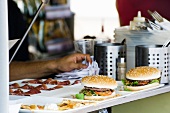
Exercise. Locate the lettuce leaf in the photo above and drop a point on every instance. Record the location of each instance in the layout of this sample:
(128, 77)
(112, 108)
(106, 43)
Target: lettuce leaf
(154, 81)
(126, 89)
(135, 83)
(80, 96)
(88, 92)
(128, 83)
(124, 81)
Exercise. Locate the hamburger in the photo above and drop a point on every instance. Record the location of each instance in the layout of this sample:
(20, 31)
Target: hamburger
(140, 78)
(98, 87)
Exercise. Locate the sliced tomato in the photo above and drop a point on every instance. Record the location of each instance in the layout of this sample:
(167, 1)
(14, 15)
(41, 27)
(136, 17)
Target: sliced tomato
(101, 93)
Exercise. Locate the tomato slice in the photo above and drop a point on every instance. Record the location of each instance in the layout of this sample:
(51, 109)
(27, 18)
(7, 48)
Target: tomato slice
(106, 93)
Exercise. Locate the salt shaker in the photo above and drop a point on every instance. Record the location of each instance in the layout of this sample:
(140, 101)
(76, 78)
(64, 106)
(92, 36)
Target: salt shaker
(121, 68)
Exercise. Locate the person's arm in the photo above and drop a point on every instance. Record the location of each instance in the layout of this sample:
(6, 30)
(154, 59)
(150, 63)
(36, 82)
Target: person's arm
(21, 70)
(38, 69)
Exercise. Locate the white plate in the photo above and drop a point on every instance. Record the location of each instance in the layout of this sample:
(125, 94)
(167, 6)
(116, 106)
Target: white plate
(15, 97)
(120, 87)
(43, 101)
(152, 88)
(65, 92)
(35, 85)
(20, 82)
(69, 92)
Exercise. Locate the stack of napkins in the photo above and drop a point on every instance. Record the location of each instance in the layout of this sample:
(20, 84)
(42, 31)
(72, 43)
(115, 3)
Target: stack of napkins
(92, 69)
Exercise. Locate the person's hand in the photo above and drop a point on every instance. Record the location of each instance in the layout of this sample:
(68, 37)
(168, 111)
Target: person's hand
(71, 62)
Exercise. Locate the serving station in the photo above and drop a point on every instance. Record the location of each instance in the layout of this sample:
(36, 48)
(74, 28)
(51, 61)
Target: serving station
(63, 92)
(68, 91)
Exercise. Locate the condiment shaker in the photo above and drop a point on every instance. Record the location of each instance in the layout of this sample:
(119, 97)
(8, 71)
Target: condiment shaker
(121, 68)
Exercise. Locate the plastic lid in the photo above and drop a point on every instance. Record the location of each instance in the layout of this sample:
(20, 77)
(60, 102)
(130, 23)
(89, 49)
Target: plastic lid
(139, 18)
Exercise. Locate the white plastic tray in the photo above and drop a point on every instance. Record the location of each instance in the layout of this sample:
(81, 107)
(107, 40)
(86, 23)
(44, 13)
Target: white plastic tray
(69, 92)
(15, 97)
(43, 101)
(120, 87)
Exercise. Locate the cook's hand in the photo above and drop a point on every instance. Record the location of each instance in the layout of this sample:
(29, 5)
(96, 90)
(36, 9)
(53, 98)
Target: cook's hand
(71, 62)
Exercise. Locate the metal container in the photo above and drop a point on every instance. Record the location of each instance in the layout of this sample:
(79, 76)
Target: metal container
(155, 56)
(106, 55)
(138, 37)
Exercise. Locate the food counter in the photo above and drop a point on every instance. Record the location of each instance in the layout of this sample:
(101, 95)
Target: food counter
(156, 104)
(125, 99)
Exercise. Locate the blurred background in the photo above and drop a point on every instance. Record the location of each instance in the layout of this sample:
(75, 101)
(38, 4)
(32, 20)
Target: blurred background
(63, 21)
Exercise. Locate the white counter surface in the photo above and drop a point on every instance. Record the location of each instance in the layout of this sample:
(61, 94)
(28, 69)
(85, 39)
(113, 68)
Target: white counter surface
(124, 98)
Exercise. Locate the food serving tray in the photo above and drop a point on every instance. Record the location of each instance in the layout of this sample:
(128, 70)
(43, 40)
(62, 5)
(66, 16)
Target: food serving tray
(70, 92)
(121, 88)
(49, 100)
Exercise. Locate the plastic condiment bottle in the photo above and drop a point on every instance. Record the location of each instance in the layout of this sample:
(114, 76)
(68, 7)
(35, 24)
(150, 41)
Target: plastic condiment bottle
(138, 22)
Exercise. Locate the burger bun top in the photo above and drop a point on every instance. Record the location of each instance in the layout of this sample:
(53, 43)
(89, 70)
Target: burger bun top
(143, 73)
(99, 81)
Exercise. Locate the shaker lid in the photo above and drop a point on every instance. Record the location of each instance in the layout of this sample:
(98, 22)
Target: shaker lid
(121, 60)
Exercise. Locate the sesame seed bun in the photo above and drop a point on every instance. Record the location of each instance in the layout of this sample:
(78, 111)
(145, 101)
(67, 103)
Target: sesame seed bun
(99, 81)
(143, 73)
